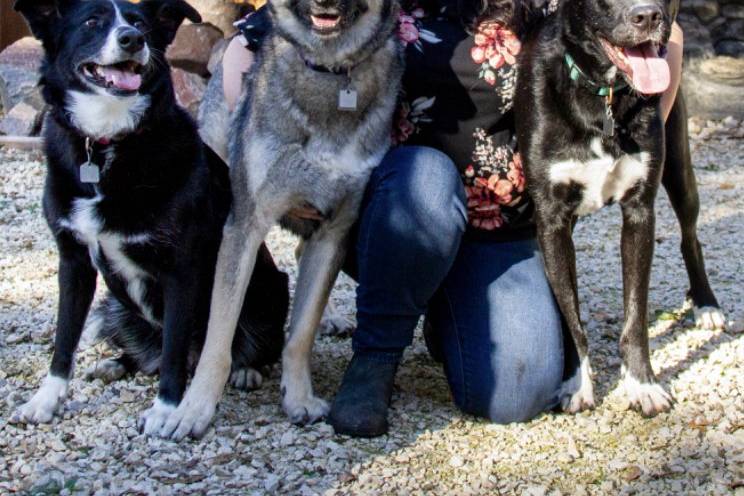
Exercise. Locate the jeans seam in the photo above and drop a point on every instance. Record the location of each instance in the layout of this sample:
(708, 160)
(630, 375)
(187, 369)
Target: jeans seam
(465, 389)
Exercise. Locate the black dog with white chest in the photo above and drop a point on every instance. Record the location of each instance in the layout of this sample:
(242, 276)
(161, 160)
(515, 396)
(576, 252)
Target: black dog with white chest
(591, 133)
(133, 194)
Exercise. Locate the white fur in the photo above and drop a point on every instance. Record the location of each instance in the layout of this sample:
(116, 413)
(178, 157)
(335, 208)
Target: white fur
(577, 392)
(154, 418)
(603, 178)
(651, 398)
(710, 318)
(45, 403)
(101, 115)
(335, 323)
(87, 226)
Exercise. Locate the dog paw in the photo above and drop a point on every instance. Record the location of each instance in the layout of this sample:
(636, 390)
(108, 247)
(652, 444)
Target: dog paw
(710, 318)
(108, 370)
(649, 398)
(42, 406)
(334, 323)
(191, 418)
(152, 420)
(577, 392)
(306, 410)
(246, 379)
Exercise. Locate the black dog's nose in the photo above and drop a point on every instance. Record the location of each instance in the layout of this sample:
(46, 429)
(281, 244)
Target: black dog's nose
(646, 17)
(130, 39)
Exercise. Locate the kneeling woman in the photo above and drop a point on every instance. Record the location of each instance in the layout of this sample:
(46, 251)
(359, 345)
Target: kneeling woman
(446, 225)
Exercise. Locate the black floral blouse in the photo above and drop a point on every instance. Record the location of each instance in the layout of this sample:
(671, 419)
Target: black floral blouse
(457, 97)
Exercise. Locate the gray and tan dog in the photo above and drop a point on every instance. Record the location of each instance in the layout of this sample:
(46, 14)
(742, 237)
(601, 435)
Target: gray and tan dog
(313, 121)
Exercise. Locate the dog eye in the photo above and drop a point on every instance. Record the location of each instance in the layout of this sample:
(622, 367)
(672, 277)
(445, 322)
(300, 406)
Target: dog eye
(91, 23)
(139, 25)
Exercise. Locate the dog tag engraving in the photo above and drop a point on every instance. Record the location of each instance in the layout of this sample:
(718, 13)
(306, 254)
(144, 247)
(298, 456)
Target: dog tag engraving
(347, 100)
(90, 173)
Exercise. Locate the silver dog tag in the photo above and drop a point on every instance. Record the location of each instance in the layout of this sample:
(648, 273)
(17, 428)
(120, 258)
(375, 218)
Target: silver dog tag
(347, 100)
(90, 173)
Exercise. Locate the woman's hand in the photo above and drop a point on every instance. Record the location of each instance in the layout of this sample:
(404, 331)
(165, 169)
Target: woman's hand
(235, 62)
(674, 58)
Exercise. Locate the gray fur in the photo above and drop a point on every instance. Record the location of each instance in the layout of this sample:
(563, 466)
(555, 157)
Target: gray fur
(290, 146)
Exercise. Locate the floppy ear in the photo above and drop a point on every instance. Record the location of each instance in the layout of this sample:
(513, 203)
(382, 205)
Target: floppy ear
(40, 14)
(168, 16)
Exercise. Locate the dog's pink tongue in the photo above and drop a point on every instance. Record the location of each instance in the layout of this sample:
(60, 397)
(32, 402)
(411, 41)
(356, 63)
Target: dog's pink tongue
(650, 72)
(124, 80)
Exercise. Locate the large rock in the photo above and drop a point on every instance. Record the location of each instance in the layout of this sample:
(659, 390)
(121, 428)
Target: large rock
(189, 89)
(192, 47)
(714, 87)
(19, 71)
(221, 13)
(25, 118)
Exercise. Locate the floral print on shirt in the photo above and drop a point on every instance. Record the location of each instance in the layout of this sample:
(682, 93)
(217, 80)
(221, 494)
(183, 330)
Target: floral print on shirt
(494, 180)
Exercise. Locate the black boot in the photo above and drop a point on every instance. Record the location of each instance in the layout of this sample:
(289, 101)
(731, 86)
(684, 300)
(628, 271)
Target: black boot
(361, 404)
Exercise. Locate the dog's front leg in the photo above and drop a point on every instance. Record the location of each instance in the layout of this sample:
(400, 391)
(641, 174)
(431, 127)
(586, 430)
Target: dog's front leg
(77, 285)
(242, 237)
(319, 267)
(180, 294)
(554, 233)
(639, 381)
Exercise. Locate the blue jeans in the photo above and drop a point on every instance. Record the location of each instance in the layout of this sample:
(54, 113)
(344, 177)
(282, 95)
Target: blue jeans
(493, 319)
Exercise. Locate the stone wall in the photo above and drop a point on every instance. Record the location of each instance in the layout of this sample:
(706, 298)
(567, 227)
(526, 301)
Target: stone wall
(714, 57)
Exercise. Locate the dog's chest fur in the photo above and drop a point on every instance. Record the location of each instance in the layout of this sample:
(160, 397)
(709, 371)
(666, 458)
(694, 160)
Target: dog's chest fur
(109, 252)
(604, 178)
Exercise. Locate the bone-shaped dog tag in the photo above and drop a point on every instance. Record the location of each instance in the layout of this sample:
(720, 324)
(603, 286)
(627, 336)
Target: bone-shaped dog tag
(90, 173)
(347, 100)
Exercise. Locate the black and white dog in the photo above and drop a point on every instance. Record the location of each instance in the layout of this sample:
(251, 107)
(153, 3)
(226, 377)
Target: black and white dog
(132, 192)
(591, 133)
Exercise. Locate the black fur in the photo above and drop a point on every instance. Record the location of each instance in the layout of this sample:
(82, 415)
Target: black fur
(160, 182)
(556, 121)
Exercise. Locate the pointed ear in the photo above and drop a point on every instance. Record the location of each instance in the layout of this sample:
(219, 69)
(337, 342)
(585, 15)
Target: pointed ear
(168, 16)
(39, 14)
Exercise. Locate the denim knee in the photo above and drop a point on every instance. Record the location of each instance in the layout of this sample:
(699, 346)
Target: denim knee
(425, 197)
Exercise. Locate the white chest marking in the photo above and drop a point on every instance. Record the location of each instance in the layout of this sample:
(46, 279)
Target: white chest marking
(104, 115)
(604, 178)
(87, 226)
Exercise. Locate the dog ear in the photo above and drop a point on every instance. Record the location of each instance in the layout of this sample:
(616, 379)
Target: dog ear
(39, 14)
(168, 16)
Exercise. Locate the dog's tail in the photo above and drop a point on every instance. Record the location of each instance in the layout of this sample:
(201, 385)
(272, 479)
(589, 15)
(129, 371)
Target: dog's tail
(214, 116)
(124, 329)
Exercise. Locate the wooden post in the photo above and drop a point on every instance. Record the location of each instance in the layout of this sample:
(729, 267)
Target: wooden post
(12, 25)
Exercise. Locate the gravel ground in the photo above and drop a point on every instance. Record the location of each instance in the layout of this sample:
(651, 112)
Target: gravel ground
(432, 448)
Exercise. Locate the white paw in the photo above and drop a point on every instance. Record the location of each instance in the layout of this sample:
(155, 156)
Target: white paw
(334, 323)
(191, 418)
(246, 379)
(152, 420)
(650, 398)
(107, 370)
(44, 404)
(710, 318)
(577, 392)
(305, 410)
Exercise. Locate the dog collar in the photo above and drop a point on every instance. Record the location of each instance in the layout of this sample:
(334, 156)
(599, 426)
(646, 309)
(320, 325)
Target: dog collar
(340, 71)
(579, 76)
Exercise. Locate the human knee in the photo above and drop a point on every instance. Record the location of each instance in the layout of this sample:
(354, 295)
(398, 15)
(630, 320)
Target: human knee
(425, 195)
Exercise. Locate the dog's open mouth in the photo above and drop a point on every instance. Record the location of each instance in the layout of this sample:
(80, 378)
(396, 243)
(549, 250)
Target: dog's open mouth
(325, 22)
(124, 77)
(644, 65)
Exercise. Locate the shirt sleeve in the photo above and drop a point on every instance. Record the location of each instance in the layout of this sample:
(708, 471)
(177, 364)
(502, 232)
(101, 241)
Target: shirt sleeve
(253, 28)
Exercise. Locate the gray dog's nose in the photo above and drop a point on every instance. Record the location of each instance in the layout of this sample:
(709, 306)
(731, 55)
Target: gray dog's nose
(646, 17)
(130, 39)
